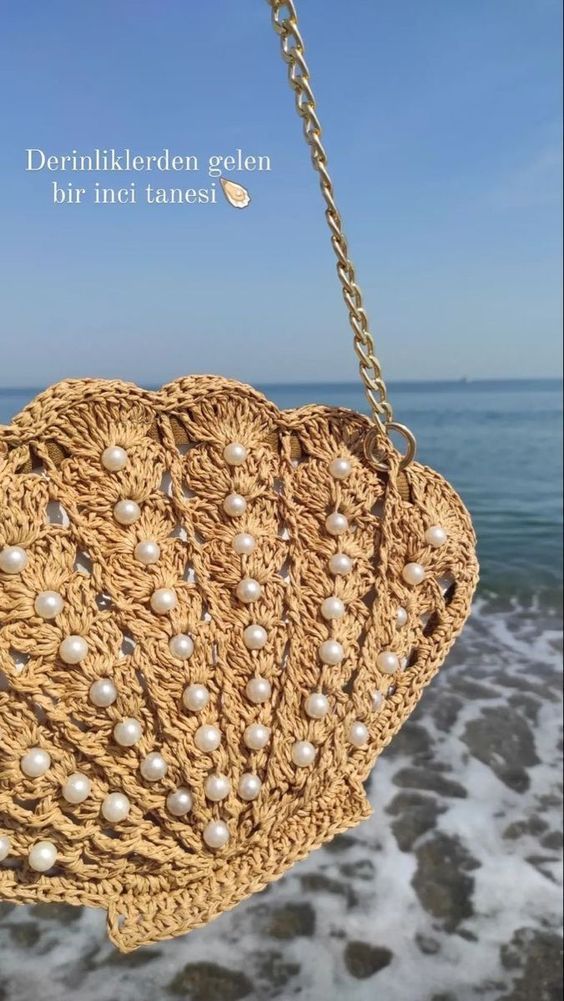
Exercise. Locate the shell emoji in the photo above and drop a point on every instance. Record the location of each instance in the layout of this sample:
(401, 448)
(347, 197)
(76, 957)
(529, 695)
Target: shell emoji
(214, 616)
(236, 194)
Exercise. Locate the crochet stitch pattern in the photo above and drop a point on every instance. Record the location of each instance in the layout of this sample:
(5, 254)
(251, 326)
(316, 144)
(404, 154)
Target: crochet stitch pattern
(255, 546)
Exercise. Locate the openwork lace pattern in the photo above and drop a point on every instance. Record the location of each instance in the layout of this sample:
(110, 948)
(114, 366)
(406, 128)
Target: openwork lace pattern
(214, 615)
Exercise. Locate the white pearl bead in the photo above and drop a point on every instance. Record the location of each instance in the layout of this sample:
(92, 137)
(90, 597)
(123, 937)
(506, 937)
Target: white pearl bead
(413, 573)
(73, 649)
(103, 693)
(195, 697)
(332, 608)
(358, 734)
(35, 762)
(207, 738)
(181, 646)
(336, 523)
(388, 662)
(303, 753)
(42, 856)
(76, 788)
(13, 559)
(153, 767)
(114, 458)
(127, 512)
(147, 552)
(377, 701)
(317, 705)
(258, 690)
(179, 802)
(128, 731)
(436, 536)
(5, 845)
(48, 604)
(216, 834)
(115, 807)
(256, 736)
(234, 505)
(248, 590)
(163, 600)
(244, 543)
(331, 652)
(340, 564)
(401, 616)
(217, 787)
(340, 468)
(249, 786)
(235, 454)
(255, 637)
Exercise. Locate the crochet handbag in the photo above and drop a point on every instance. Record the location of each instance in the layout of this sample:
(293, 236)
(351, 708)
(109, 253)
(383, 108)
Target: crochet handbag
(214, 615)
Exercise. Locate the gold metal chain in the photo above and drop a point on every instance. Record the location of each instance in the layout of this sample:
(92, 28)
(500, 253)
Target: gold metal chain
(285, 21)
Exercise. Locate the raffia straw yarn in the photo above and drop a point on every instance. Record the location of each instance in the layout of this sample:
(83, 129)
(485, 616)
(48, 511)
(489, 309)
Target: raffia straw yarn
(156, 873)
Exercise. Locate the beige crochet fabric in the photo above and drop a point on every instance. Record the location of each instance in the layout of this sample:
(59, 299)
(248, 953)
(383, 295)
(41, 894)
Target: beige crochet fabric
(153, 871)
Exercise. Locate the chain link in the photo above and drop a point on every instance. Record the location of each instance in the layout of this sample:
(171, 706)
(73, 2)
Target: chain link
(285, 22)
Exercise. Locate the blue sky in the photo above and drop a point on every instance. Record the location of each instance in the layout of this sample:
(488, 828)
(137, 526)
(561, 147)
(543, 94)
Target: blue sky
(442, 124)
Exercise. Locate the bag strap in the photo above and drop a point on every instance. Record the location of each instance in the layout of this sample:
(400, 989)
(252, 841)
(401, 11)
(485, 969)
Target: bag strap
(285, 23)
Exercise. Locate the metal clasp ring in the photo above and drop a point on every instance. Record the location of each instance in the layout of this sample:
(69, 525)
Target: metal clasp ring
(374, 437)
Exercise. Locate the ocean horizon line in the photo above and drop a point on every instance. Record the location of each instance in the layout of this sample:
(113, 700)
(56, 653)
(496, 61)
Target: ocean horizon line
(489, 382)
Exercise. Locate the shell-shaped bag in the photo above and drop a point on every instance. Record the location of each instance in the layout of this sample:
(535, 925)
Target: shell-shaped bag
(214, 615)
